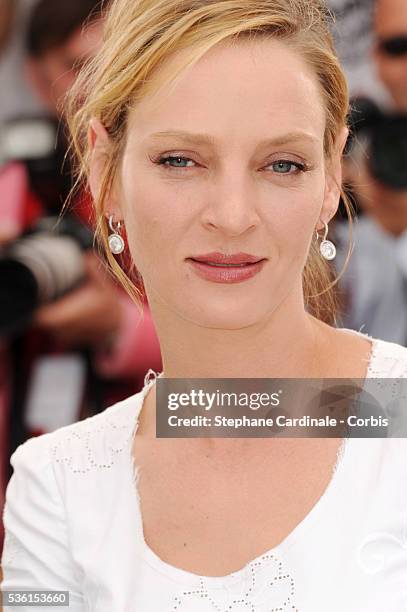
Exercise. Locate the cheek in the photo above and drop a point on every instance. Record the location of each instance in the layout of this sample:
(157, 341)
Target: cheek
(294, 214)
(400, 77)
(154, 225)
(63, 84)
(394, 72)
(146, 236)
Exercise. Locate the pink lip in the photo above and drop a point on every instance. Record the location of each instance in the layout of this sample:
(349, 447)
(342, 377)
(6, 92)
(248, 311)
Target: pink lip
(235, 258)
(232, 274)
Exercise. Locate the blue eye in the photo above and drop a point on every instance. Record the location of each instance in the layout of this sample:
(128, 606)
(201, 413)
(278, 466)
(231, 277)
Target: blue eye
(281, 166)
(178, 158)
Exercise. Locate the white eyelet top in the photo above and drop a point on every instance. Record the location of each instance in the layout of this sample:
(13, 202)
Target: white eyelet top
(73, 523)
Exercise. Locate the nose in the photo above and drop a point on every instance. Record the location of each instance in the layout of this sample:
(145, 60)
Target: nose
(232, 206)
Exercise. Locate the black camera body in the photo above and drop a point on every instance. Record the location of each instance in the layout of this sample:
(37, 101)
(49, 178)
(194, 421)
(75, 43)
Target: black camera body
(41, 266)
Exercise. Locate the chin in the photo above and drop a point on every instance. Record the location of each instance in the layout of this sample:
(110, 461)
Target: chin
(227, 314)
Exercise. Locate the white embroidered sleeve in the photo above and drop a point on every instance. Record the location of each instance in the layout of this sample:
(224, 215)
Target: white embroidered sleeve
(36, 553)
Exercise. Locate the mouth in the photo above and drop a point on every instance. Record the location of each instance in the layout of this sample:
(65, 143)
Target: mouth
(225, 265)
(227, 271)
(217, 258)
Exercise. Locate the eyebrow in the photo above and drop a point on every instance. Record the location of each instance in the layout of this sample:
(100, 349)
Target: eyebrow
(205, 139)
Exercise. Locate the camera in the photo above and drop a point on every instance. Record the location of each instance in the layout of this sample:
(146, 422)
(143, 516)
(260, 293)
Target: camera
(41, 266)
(46, 261)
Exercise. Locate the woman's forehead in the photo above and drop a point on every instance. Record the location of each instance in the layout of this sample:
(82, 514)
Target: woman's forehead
(233, 87)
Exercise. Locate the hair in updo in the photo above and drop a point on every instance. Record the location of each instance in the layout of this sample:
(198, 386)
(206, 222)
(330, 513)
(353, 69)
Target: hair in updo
(139, 36)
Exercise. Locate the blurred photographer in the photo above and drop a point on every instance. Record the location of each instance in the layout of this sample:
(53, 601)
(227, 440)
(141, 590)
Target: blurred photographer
(390, 53)
(374, 287)
(87, 346)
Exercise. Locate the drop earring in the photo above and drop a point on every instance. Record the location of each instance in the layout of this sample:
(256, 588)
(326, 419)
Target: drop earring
(326, 248)
(116, 242)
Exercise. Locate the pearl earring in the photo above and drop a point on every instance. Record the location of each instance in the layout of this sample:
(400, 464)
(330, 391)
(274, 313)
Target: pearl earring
(326, 248)
(116, 242)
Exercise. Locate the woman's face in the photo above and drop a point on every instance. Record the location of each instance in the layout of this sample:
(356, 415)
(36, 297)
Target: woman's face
(256, 183)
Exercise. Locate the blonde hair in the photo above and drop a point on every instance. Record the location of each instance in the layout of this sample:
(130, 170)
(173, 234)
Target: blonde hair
(140, 35)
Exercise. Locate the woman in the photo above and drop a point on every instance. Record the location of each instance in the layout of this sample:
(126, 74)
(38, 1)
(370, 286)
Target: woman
(125, 520)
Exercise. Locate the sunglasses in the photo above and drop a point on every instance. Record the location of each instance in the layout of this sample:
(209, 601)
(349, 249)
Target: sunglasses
(395, 46)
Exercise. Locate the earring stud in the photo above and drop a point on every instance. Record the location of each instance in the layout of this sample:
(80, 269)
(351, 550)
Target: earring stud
(116, 242)
(326, 248)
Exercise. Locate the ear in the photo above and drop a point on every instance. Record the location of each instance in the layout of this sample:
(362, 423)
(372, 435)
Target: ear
(99, 143)
(333, 180)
